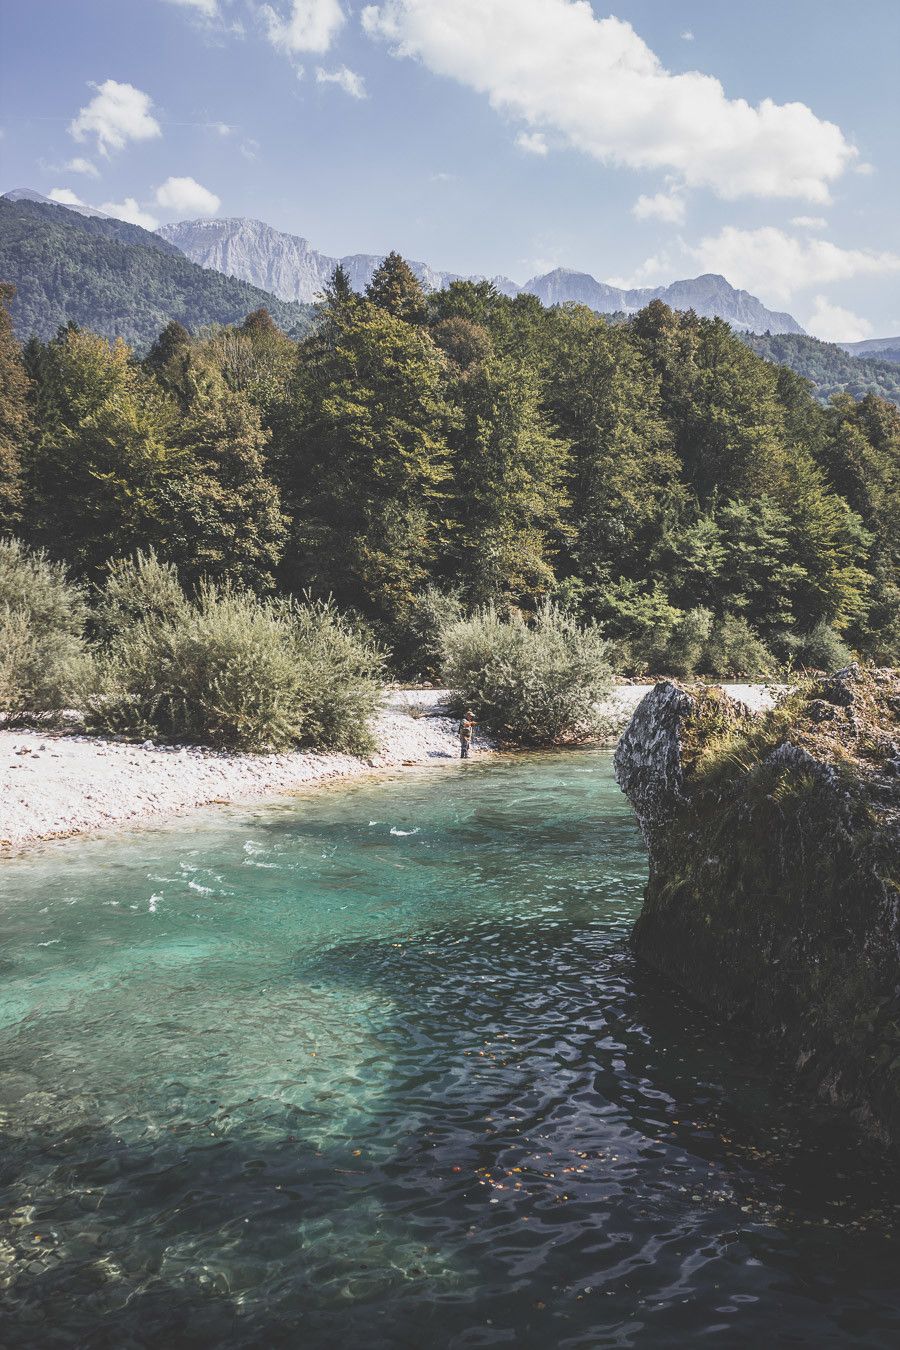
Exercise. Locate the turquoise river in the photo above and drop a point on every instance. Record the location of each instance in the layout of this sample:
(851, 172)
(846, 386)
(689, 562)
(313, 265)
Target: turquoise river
(374, 1067)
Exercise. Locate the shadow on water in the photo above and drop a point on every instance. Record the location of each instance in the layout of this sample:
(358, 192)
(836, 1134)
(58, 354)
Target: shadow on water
(472, 1119)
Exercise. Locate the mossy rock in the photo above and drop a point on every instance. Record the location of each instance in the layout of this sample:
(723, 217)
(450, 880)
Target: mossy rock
(774, 891)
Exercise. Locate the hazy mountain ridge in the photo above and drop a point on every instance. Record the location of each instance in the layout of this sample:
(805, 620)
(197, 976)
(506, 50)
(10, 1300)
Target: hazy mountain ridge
(292, 269)
(881, 349)
(29, 195)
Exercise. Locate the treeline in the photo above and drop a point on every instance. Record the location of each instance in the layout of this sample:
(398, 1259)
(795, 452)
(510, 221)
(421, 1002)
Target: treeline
(420, 457)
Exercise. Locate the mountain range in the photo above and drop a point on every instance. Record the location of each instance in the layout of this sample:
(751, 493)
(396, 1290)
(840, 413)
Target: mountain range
(289, 267)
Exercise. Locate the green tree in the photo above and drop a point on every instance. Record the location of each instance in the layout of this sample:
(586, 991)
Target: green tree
(394, 287)
(14, 418)
(103, 446)
(720, 400)
(603, 400)
(256, 359)
(362, 451)
(222, 511)
(509, 491)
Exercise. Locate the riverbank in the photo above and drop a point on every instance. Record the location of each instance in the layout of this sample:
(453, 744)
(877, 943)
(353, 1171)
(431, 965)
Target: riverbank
(53, 785)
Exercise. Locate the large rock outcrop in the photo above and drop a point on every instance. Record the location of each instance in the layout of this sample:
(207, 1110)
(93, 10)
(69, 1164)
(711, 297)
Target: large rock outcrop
(774, 890)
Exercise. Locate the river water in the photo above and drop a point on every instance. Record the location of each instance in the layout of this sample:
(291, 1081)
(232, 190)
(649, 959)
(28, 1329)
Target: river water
(375, 1067)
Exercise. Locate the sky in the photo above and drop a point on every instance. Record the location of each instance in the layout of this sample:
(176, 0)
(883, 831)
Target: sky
(642, 143)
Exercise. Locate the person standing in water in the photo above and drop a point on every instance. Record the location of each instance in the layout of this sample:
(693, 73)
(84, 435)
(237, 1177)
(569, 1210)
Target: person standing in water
(466, 727)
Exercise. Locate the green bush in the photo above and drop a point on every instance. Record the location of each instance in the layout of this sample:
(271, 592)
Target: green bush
(417, 645)
(638, 622)
(819, 649)
(44, 660)
(341, 673)
(687, 643)
(734, 648)
(137, 588)
(240, 673)
(535, 683)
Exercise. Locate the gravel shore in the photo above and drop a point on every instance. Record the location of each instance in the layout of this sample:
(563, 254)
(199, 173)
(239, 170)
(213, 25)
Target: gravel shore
(53, 785)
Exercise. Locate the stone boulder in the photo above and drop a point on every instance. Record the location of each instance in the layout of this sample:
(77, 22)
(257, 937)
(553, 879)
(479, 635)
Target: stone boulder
(774, 890)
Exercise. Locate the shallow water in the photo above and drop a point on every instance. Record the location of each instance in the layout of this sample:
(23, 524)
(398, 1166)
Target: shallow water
(375, 1067)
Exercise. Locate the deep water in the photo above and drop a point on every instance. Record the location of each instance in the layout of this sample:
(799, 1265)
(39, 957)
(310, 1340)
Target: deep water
(375, 1067)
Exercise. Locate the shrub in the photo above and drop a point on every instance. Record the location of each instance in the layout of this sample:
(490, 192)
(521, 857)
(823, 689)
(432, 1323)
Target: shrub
(44, 660)
(221, 673)
(418, 644)
(242, 674)
(533, 683)
(137, 588)
(734, 648)
(687, 643)
(341, 672)
(819, 649)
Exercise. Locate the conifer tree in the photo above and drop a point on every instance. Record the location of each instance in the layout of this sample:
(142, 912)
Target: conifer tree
(394, 287)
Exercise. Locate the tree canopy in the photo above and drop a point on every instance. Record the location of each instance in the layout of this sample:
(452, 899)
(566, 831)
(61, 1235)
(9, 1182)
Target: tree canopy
(417, 454)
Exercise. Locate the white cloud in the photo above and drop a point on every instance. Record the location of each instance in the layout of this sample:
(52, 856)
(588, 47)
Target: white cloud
(864, 168)
(532, 142)
(687, 36)
(654, 271)
(118, 113)
(130, 211)
(80, 165)
(774, 264)
(442, 177)
(809, 222)
(668, 206)
(65, 197)
(344, 78)
(187, 196)
(208, 8)
(311, 25)
(552, 63)
(222, 128)
(833, 324)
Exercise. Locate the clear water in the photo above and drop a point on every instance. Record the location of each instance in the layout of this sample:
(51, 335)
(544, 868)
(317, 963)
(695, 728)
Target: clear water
(375, 1068)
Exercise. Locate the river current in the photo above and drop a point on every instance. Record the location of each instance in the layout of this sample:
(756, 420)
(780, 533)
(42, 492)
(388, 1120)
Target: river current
(375, 1067)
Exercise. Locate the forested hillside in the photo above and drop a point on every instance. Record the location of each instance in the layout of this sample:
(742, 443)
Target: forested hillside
(884, 349)
(115, 278)
(419, 456)
(830, 368)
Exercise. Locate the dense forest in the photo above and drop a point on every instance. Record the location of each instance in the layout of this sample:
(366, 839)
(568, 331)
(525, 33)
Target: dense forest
(418, 457)
(117, 278)
(829, 367)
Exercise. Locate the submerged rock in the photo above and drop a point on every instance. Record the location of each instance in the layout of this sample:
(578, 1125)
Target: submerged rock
(774, 890)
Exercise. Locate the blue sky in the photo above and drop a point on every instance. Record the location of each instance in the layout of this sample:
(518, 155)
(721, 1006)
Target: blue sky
(641, 143)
